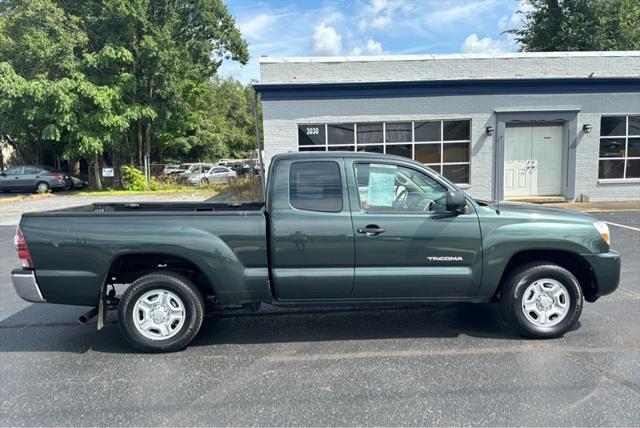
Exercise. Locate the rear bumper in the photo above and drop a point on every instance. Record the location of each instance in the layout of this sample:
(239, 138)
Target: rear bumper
(26, 285)
(606, 268)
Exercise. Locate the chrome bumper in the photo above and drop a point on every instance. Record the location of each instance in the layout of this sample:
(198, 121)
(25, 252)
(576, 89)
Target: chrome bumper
(26, 286)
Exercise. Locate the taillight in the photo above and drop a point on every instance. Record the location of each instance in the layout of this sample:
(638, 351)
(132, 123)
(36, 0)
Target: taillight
(23, 250)
(57, 176)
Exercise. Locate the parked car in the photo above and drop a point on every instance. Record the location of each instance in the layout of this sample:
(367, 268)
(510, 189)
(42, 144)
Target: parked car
(170, 169)
(30, 178)
(337, 227)
(215, 174)
(76, 183)
(191, 169)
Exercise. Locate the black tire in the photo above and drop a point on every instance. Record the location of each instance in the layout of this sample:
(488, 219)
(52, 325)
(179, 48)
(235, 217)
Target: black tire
(512, 295)
(175, 283)
(42, 187)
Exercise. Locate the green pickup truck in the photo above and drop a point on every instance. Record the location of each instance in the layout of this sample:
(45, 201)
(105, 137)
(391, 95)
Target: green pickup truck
(336, 229)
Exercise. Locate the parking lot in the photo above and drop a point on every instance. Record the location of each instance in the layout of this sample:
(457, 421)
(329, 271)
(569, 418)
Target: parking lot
(428, 365)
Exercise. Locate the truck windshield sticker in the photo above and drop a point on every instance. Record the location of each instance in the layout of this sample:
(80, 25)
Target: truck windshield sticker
(381, 192)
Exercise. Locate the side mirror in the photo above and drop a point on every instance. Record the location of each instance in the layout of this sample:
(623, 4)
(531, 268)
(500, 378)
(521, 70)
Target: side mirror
(456, 201)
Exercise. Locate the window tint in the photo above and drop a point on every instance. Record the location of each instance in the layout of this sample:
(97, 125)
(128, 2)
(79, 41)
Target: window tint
(311, 135)
(398, 132)
(393, 188)
(428, 131)
(613, 125)
(315, 186)
(370, 133)
(455, 130)
(340, 134)
(634, 125)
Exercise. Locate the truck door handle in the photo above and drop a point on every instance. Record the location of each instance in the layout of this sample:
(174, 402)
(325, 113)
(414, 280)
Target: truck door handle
(371, 230)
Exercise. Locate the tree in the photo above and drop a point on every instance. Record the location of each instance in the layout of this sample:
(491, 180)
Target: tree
(580, 25)
(116, 77)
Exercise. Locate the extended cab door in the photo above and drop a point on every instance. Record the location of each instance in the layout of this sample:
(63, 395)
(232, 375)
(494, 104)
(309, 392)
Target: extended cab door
(310, 232)
(406, 243)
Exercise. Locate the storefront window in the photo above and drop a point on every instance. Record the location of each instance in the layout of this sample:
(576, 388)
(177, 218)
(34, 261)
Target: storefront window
(619, 148)
(443, 145)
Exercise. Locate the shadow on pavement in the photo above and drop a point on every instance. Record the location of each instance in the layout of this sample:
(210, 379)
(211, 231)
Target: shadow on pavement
(303, 325)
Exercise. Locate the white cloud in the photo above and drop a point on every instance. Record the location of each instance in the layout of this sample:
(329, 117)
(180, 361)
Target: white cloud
(379, 14)
(515, 20)
(357, 50)
(326, 41)
(474, 44)
(374, 48)
(256, 26)
(462, 12)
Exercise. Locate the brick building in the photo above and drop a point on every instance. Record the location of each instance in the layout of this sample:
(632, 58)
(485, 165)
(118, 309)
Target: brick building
(509, 126)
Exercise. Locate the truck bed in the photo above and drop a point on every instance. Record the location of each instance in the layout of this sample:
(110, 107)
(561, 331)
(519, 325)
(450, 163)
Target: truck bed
(75, 249)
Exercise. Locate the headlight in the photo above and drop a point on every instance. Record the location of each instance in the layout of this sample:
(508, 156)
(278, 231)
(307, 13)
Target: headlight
(603, 230)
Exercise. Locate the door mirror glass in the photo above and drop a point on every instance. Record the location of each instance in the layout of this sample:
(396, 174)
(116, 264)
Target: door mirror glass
(456, 201)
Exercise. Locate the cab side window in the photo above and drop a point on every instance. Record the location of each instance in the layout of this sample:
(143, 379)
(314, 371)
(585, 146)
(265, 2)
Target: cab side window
(315, 186)
(393, 188)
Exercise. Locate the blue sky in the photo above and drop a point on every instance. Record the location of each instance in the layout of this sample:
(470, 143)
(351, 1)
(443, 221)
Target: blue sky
(370, 27)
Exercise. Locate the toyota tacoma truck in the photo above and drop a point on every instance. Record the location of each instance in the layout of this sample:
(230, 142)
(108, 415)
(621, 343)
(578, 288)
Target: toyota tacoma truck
(335, 229)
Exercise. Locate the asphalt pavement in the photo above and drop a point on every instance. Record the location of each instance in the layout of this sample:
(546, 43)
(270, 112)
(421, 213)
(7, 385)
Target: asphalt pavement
(429, 365)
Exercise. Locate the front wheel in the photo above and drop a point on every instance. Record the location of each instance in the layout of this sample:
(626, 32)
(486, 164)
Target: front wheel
(42, 187)
(541, 300)
(161, 312)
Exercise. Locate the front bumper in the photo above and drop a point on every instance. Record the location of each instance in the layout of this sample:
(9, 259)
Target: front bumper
(606, 268)
(26, 285)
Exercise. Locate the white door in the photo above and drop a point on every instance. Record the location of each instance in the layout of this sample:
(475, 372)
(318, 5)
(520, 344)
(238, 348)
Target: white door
(533, 160)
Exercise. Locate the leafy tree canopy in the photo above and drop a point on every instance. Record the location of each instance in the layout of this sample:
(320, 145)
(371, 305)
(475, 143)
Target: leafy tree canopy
(580, 25)
(130, 79)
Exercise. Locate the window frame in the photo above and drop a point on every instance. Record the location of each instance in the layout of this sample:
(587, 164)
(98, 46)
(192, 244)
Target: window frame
(341, 179)
(438, 167)
(626, 136)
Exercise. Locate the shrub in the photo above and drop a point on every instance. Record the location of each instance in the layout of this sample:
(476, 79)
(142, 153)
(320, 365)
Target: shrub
(133, 179)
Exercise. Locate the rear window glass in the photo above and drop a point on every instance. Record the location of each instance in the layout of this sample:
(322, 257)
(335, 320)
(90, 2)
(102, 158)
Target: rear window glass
(315, 186)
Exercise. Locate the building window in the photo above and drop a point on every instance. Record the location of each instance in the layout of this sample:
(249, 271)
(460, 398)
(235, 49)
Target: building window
(619, 157)
(315, 186)
(312, 135)
(443, 145)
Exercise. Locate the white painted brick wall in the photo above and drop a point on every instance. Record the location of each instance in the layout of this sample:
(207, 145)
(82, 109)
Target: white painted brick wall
(281, 119)
(449, 67)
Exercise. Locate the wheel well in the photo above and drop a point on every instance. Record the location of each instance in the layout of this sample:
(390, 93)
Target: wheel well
(127, 268)
(568, 260)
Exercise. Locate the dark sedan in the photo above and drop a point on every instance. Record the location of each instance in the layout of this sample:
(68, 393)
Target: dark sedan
(29, 178)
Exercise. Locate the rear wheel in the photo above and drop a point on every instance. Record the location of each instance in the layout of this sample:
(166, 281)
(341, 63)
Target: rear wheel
(541, 300)
(161, 312)
(42, 187)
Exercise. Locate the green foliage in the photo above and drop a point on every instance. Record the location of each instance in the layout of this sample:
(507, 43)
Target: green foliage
(120, 78)
(133, 179)
(580, 25)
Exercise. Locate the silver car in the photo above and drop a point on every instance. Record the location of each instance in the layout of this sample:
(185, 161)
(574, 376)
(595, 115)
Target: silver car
(215, 174)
